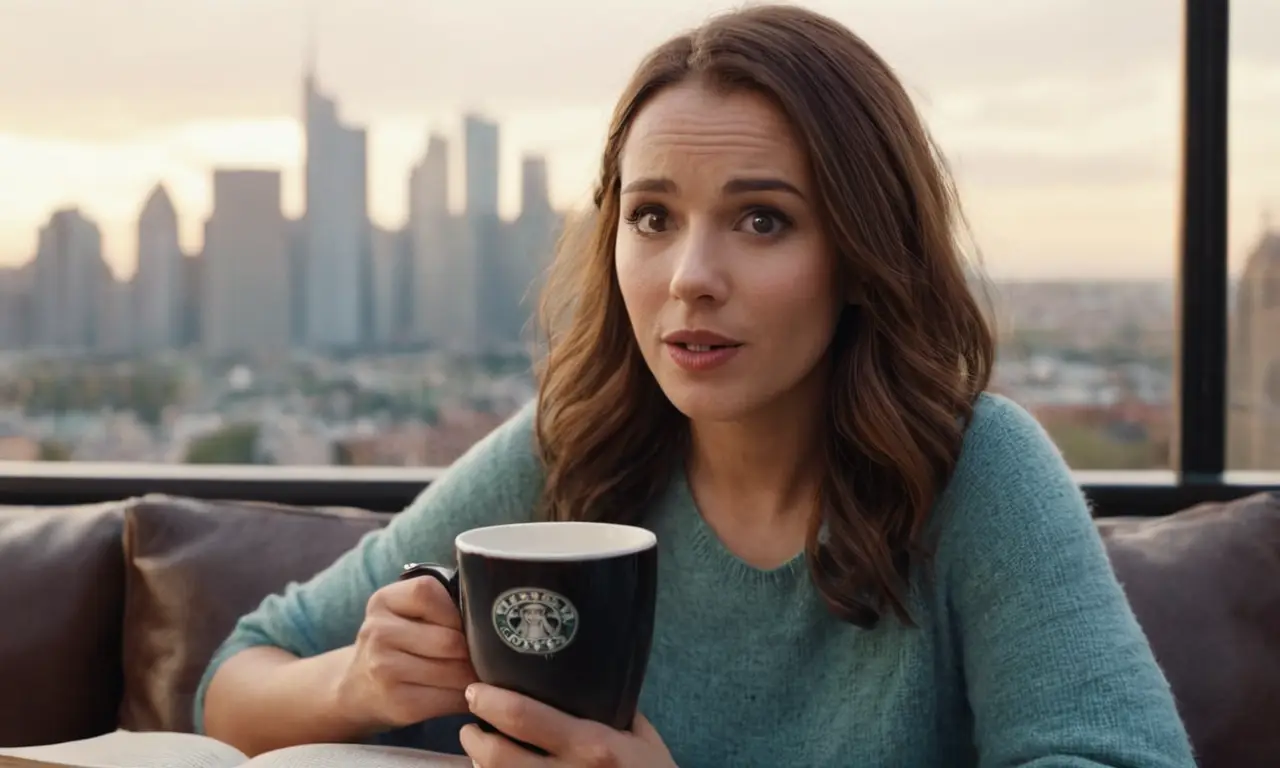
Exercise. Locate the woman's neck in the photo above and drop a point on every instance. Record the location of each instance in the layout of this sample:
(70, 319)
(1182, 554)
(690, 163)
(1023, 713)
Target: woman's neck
(764, 468)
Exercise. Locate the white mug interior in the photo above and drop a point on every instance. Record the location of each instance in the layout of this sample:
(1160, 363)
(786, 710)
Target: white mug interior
(552, 541)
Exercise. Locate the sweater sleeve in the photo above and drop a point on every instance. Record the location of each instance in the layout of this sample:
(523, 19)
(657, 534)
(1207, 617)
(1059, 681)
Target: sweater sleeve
(498, 480)
(1057, 669)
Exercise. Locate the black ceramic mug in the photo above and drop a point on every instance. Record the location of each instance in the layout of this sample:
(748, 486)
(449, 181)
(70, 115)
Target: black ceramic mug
(561, 612)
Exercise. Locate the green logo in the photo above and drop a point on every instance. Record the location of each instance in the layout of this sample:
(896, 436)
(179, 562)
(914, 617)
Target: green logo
(536, 621)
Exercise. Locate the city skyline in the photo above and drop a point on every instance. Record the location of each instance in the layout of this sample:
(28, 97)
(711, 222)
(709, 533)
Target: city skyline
(1076, 140)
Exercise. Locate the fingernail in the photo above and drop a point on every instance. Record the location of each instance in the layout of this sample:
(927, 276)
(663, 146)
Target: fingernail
(470, 693)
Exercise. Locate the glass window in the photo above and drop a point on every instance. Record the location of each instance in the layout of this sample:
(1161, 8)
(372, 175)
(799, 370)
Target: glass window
(307, 233)
(1253, 383)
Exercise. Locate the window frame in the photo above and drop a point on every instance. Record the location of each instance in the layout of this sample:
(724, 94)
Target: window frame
(1202, 314)
(1198, 472)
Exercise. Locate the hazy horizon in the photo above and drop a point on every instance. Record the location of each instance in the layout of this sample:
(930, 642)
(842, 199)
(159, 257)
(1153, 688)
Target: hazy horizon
(1060, 118)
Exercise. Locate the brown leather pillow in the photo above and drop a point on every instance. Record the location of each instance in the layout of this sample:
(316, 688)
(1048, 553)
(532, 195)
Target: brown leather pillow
(193, 569)
(61, 599)
(1205, 585)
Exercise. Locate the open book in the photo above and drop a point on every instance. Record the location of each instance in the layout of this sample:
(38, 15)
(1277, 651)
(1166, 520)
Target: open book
(126, 749)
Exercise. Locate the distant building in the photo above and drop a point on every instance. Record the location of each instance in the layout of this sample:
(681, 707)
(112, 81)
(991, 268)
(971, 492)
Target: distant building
(68, 281)
(15, 307)
(116, 317)
(476, 267)
(297, 239)
(192, 299)
(1253, 385)
(16, 446)
(386, 248)
(535, 233)
(431, 231)
(158, 283)
(475, 276)
(337, 230)
(481, 148)
(245, 269)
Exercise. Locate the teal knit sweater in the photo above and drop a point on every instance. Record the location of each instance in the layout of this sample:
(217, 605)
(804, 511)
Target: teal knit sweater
(1025, 651)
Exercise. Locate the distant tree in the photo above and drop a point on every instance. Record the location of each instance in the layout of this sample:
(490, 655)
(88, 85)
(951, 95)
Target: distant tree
(1089, 447)
(342, 455)
(426, 406)
(52, 450)
(150, 392)
(146, 390)
(235, 444)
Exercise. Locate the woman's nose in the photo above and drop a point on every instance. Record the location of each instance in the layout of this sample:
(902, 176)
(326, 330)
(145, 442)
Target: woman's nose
(697, 275)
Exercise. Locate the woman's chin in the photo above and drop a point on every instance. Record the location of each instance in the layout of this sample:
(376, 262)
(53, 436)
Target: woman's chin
(705, 403)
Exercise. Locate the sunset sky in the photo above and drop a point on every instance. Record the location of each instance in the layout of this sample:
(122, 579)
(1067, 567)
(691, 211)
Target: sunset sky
(1059, 116)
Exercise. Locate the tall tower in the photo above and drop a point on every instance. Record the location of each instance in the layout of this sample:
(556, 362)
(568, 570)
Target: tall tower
(535, 233)
(1253, 383)
(336, 229)
(245, 280)
(535, 194)
(432, 234)
(481, 149)
(480, 276)
(157, 285)
(69, 281)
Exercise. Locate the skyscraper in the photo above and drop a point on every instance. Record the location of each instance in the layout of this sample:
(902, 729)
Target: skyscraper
(535, 234)
(481, 149)
(336, 226)
(15, 306)
(157, 286)
(245, 270)
(479, 278)
(535, 194)
(430, 229)
(68, 284)
(1253, 397)
(384, 298)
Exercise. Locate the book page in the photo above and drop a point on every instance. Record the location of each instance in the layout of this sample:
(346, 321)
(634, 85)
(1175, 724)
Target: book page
(355, 756)
(125, 749)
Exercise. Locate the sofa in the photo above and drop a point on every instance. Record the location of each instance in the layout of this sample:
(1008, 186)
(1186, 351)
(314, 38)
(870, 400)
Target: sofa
(112, 610)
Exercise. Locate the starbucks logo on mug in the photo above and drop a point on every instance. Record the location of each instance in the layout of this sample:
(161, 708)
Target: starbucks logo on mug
(536, 621)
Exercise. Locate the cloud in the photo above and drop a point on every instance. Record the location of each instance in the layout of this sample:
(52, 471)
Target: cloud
(92, 69)
(1053, 112)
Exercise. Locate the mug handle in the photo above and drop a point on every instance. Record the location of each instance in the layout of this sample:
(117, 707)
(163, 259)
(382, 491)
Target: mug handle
(448, 578)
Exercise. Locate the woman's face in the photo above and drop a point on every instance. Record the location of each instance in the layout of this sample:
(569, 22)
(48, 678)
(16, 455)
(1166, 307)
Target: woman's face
(726, 273)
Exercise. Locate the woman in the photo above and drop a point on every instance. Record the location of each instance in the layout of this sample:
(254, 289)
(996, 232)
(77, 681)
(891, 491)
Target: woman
(763, 347)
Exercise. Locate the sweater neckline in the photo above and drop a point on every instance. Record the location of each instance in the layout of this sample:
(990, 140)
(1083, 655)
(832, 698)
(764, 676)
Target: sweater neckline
(710, 549)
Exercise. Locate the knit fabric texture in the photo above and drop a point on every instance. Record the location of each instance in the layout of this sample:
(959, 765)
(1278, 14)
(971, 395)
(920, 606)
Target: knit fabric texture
(1024, 650)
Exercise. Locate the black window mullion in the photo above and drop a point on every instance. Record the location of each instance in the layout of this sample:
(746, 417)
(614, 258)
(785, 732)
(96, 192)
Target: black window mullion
(1201, 298)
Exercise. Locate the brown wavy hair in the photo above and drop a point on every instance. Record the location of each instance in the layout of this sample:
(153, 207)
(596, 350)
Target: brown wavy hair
(909, 358)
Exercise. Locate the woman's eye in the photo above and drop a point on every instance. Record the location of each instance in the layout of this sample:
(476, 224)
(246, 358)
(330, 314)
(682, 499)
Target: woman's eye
(763, 223)
(649, 221)
(653, 222)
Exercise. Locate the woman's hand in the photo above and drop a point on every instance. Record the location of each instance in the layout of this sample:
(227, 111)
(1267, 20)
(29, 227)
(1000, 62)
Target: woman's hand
(569, 741)
(410, 661)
